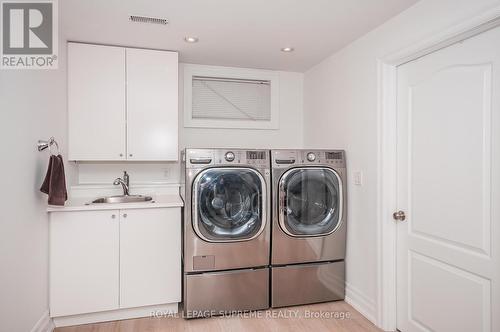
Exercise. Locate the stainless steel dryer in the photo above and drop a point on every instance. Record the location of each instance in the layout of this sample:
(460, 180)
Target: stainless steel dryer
(309, 226)
(226, 231)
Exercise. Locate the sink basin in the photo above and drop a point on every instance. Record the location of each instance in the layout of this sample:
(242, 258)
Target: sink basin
(123, 199)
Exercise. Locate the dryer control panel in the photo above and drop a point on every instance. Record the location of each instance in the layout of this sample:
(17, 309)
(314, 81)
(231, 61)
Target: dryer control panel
(288, 158)
(333, 158)
(284, 158)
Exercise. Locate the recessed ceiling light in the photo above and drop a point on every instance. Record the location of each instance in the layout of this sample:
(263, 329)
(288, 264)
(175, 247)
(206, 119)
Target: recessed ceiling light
(190, 39)
(287, 49)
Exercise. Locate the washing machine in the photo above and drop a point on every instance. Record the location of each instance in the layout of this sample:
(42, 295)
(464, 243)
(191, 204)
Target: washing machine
(227, 231)
(309, 226)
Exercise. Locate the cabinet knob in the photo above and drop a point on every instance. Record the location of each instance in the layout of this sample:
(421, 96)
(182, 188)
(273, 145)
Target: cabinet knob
(121, 154)
(124, 215)
(113, 216)
(130, 155)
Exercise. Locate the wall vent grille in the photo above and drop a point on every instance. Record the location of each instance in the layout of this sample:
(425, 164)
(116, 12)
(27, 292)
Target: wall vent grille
(148, 19)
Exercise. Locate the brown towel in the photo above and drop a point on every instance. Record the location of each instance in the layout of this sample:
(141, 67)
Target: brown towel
(54, 184)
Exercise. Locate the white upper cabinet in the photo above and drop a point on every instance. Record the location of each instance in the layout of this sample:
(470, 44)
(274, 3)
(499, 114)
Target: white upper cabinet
(122, 103)
(96, 102)
(152, 109)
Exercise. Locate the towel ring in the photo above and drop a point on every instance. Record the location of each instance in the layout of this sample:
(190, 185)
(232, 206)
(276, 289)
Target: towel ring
(42, 145)
(52, 142)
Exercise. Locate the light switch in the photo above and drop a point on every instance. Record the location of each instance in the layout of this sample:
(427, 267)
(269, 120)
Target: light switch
(358, 178)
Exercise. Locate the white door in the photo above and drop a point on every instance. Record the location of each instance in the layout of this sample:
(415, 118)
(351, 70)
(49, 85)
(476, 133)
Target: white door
(150, 257)
(449, 188)
(84, 260)
(96, 102)
(152, 108)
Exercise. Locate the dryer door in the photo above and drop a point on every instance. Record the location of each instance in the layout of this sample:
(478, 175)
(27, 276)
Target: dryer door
(229, 204)
(310, 201)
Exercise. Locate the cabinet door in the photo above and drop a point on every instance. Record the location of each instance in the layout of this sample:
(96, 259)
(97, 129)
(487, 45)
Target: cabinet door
(84, 260)
(150, 257)
(152, 109)
(96, 102)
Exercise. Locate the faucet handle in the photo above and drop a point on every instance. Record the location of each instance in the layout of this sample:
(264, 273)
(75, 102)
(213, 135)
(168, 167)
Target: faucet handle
(126, 178)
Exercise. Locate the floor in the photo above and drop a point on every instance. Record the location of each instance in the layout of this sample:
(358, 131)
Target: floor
(332, 316)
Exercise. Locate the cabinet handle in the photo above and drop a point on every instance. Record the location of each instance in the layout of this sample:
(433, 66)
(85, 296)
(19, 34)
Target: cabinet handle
(113, 216)
(124, 215)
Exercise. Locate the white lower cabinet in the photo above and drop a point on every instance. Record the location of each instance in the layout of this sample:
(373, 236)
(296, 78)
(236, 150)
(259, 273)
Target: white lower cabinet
(114, 259)
(84, 262)
(150, 257)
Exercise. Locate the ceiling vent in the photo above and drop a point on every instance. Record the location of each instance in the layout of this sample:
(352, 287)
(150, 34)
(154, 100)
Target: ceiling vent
(147, 19)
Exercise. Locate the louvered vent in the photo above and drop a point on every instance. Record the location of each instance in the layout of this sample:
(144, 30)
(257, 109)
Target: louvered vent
(147, 19)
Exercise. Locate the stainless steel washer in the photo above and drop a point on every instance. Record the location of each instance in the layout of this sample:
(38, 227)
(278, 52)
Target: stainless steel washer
(226, 231)
(309, 226)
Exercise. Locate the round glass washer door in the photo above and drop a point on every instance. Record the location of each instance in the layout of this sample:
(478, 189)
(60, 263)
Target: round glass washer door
(229, 204)
(310, 201)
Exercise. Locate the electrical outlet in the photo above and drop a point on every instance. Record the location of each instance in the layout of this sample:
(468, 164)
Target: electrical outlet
(358, 178)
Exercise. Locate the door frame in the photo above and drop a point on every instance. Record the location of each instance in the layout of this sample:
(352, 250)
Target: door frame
(386, 314)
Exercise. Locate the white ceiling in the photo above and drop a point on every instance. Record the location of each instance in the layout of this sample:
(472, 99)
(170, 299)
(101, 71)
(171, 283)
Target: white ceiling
(240, 33)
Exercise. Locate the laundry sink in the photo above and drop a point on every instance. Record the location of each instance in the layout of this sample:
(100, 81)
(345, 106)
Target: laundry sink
(122, 199)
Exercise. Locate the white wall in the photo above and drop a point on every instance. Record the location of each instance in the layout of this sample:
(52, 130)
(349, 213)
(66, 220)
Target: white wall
(289, 135)
(32, 107)
(340, 111)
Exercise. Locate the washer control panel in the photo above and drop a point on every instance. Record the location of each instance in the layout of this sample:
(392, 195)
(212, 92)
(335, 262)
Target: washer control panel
(201, 158)
(198, 158)
(229, 156)
(311, 156)
(256, 158)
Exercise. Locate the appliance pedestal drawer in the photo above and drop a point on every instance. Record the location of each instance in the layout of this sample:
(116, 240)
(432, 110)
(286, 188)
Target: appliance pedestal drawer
(307, 283)
(217, 293)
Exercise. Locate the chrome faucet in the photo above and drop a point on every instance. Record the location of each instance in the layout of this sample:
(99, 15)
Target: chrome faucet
(125, 182)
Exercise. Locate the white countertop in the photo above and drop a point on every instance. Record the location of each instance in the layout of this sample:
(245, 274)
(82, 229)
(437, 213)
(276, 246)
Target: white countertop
(82, 204)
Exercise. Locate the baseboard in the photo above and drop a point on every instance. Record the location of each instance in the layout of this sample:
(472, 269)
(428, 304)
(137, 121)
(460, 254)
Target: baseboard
(361, 303)
(119, 314)
(44, 324)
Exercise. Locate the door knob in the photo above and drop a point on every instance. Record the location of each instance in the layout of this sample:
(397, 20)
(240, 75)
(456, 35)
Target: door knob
(399, 215)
